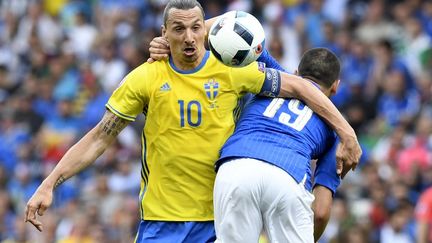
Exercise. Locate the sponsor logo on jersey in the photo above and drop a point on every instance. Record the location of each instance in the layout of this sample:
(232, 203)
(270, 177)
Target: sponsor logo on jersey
(165, 87)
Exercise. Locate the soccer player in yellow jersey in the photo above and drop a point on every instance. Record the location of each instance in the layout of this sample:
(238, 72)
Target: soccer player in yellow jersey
(190, 102)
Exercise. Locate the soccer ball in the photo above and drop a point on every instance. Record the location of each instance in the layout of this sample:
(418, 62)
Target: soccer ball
(236, 39)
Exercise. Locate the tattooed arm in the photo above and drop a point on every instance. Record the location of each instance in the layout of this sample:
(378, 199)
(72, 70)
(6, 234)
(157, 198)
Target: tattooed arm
(77, 158)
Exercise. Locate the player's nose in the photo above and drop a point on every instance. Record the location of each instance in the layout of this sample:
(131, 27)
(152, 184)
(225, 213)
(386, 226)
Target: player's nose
(189, 37)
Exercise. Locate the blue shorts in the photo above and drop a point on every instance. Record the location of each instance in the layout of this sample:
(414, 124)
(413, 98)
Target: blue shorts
(175, 232)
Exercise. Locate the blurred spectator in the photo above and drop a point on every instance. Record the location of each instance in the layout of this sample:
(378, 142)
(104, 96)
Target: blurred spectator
(82, 36)
(375, 26)
(80, 231)
(314, 18)
(39, 25)
(398, 104)
(6, 216)
(394, 230)
(415, 44)
(123, 180)
(417, 155)
(21, 187)
(109, 69)
(59, 132)
(384, 61)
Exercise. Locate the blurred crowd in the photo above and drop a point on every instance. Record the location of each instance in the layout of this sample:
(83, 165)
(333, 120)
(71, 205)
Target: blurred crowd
(60, 60)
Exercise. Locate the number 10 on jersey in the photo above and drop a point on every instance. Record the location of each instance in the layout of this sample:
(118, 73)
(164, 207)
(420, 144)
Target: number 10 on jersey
(192, 110)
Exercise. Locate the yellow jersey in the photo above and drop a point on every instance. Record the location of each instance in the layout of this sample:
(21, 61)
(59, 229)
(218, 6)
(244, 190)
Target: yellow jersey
(189, 116)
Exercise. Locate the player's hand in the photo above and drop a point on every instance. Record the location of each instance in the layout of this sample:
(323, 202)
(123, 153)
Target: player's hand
(159, 49)
(347, 155)
(38, 203)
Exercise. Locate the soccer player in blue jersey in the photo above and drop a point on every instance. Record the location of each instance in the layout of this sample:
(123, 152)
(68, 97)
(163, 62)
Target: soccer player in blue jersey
(189, 101)
(264, 176)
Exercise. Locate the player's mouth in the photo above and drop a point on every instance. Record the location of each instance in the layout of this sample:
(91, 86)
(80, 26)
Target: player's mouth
(189, 51)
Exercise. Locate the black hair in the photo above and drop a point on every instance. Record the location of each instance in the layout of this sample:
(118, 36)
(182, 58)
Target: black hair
(320, 65)
(181, 4)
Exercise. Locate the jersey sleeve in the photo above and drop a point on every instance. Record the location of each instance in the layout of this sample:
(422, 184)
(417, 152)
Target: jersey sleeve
(249, 78)
(257, 79)
(269, 61)
(423, 210)
(132, 95)
(325, 171)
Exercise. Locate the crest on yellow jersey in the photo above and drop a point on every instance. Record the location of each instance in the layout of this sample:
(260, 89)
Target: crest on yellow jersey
(211, 88)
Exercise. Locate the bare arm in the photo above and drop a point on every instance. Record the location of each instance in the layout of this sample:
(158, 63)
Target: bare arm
(349, 151)
(422, 232)
(77, 158)
(322, 208)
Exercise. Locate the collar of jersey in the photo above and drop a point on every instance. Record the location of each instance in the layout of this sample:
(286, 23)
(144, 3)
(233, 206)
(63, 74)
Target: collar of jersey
(204, 60)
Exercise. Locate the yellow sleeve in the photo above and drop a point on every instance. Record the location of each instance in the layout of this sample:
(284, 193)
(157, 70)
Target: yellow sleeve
(249, 78)
(132, 94)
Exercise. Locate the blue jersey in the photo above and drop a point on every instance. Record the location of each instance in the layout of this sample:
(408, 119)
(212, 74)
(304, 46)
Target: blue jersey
(285, 133)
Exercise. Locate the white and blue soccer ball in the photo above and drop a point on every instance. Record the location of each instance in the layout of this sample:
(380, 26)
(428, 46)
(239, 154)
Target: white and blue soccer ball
(236, 39)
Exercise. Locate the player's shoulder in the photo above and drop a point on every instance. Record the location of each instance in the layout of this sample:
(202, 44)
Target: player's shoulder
(149, 70)
(213, 63)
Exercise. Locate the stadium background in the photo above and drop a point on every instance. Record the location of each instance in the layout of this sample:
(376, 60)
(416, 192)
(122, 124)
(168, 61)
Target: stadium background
(60, 60)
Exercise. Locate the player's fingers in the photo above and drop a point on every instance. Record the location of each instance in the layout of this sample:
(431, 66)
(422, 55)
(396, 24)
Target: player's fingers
(30, 212)
(157, 57)
(160, 40)
(42, 209)
(160, 44)
(36, 224)
(159, 50)
(339, 166)
(150, 60)
(354, 165)
(340, 159)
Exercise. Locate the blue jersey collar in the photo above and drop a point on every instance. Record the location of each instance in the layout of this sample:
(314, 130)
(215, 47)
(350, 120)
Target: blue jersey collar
(204, 60)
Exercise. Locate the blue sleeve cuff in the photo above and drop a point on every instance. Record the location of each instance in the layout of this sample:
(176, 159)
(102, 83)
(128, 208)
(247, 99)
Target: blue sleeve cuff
(327, 179)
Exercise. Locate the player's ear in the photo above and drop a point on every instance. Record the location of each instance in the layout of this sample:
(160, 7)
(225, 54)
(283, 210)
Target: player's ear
(163, 30)
(334, 87)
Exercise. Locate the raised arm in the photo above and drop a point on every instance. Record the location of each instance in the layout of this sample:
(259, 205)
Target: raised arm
(77, 158)
(349, 151)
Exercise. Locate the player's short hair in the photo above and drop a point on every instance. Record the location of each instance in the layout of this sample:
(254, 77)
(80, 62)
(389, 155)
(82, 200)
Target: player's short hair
(320, 65)
(181, 4)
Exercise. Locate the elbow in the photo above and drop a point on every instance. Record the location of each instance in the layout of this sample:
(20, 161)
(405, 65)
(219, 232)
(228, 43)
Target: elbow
(320, 221)
(321, 218)
(321, 215)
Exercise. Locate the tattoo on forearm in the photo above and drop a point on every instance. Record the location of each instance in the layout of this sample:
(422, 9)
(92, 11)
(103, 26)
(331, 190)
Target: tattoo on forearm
(59, 181)
(112, 125)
